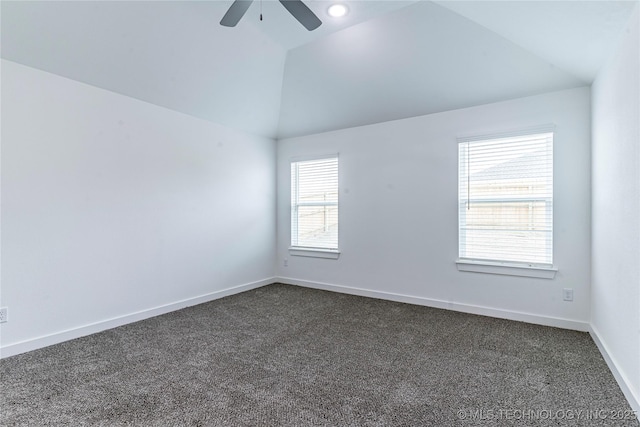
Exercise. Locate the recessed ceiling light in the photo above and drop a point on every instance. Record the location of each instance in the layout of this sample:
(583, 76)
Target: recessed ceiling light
(338, 10)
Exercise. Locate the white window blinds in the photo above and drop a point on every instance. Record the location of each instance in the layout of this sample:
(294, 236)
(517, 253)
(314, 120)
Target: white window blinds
(505, 200)
(314, 203)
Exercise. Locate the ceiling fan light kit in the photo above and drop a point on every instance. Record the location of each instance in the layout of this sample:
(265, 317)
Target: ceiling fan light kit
(297, 8)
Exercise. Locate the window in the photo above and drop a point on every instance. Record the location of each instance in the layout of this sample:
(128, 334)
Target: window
(314, 207)
(505, 200)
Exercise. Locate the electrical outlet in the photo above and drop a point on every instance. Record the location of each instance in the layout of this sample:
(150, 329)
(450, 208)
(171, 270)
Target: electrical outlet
(286, 262)
(4, 313)
(567, 294)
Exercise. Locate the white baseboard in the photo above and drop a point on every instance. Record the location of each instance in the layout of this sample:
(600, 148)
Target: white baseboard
(624, 383)
(81, 331)
(447, 305)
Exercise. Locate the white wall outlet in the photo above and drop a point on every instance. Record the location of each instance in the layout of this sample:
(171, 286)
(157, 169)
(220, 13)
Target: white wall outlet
(4, 314)
(286, 262)
(567, 294)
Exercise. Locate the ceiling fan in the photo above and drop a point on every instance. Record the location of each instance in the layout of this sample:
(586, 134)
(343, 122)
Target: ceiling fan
(299, 10)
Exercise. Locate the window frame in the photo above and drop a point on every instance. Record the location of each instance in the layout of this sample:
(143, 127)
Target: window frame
(305, 251)
(506, 267)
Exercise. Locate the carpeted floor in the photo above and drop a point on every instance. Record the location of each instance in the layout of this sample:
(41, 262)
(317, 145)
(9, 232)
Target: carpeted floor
(288, 356)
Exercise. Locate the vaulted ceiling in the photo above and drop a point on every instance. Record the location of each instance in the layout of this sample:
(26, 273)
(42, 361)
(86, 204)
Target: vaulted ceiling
(386, 60)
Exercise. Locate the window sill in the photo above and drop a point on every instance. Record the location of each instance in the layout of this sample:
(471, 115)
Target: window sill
(315, 253)
(506, 269)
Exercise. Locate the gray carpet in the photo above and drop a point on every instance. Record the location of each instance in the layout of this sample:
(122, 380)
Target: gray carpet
(288, 356)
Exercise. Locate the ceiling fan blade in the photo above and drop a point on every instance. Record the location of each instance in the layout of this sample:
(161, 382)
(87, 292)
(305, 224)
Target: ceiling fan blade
(235, 13)
(302, 13)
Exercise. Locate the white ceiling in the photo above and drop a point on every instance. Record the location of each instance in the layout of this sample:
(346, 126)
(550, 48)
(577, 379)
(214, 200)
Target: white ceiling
(386, 60)
(576, 36)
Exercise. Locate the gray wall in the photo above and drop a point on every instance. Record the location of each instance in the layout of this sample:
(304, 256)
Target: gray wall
(113, 208)
(398, 211)
(615, 301)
